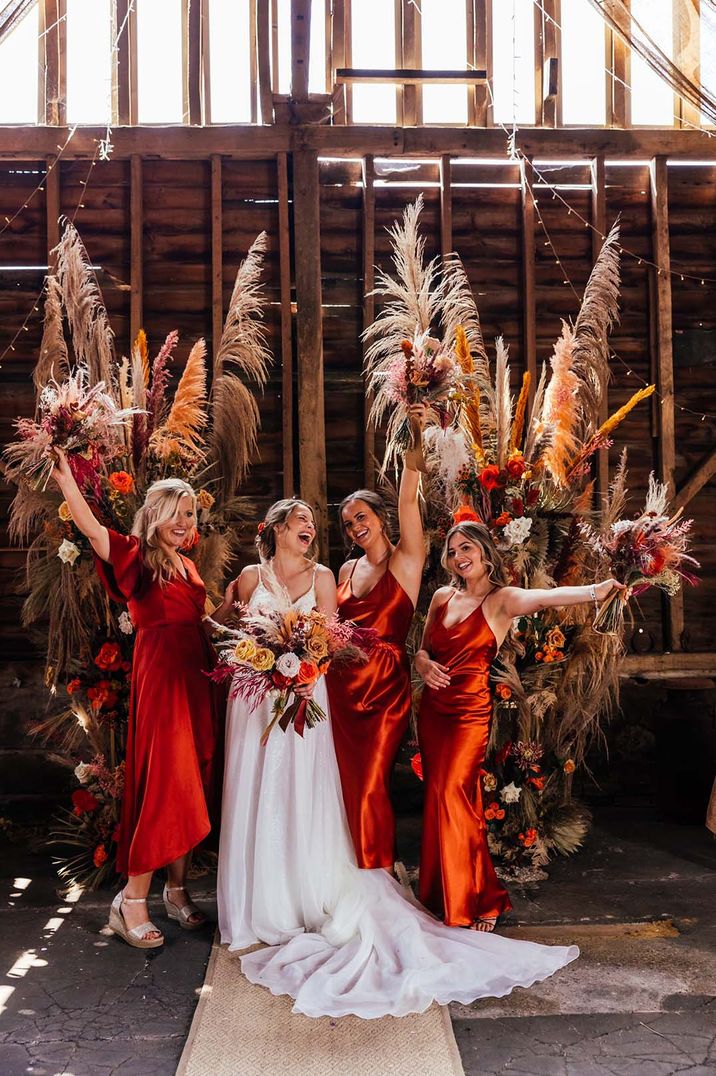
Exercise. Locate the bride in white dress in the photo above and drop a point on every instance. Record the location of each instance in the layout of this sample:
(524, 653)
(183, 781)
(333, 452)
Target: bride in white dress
(339, 939)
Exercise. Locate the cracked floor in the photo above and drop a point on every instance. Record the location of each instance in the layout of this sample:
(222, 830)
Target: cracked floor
(640, 900)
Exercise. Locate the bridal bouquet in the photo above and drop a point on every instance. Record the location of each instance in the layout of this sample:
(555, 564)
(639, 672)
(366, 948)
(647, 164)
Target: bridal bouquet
(81, 419)
(275, 651)
(650, 551)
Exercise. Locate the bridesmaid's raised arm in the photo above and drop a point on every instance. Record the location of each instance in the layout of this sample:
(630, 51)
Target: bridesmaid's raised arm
(82, 514)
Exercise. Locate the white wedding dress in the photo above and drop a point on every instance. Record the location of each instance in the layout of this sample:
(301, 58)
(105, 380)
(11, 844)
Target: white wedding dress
(340, 940)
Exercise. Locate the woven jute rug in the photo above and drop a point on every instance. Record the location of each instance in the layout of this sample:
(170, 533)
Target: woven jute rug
(243, 1030)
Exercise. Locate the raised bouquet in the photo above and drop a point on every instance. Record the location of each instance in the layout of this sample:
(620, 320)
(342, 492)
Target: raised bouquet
(275, 651)
(81, 419)
(649, 551)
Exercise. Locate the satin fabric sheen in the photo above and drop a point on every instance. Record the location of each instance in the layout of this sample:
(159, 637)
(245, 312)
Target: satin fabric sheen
(172, 769)
(457, 878)
(370, 705)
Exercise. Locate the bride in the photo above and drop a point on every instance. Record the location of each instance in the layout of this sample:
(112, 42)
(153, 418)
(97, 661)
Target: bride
(339, 940)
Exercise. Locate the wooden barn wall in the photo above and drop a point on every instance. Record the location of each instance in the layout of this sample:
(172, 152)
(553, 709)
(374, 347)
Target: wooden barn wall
(487, 225)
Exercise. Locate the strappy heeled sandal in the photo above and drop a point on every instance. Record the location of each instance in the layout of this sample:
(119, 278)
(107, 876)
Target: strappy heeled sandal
(486, 925)
(182, 915)
(134, 936)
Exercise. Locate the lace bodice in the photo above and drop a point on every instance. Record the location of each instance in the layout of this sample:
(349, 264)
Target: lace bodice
(264, 598)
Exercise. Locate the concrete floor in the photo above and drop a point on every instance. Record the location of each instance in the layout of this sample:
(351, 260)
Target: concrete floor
(639, 900)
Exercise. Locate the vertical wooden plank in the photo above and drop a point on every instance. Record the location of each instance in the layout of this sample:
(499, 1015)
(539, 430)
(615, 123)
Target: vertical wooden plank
(483, 62)
(470, 60)
(687, 55)
(274, 46)
(124, 66)
(410, 50)
(135, 245)
(191, 36)
(52, 203)
(284, 252)
(347, 52)
(548, 50)
(341, 94)
(217, 255)
(263, 46)
(253, 61)
(368, 308)
(529, 303)
(311, 415)
(53, 63)
(300, 47)
(599, 224)
(663, 330)
(618, 64)
(445, 205)
(205, 62)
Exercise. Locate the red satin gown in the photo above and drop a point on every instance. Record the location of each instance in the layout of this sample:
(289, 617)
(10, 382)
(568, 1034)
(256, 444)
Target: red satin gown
(370, 709)
(457, 878)
(173, 763)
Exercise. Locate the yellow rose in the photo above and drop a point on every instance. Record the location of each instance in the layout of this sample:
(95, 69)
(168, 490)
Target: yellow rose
(245, 650)
(555, 638)
(263, 659)
(204, 499)
(64, 512)
(317, 646)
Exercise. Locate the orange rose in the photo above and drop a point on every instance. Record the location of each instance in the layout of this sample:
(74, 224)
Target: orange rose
(109, 658)
(194, 540)
(569, 766)
(489, 476)
(465, 514)
(538, 782)
(308, 673)
(503, 519)
(73, 686)
(121, 482)
(101, 696)
(516, 466)
(100, 855)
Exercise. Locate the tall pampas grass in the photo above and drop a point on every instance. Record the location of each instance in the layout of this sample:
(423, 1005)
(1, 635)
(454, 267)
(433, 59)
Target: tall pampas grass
(92, 337)
(53, 360)
(181, 433)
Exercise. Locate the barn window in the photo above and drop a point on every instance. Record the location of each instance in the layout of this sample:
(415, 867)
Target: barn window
(89, 61)
(159, 61)
(444, 44)
(708, 54)
(19, 71)
(230, 61)
(373, 46)
(652, 99)
(582, 62)
(513, 61)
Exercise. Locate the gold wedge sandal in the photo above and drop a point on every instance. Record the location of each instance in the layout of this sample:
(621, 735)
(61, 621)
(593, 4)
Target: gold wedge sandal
(182, 915)
(132, 935)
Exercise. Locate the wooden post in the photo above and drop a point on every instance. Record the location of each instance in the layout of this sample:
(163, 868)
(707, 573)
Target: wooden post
(445, 206)
(687, 55)
(548, 49)
(662, 327)
(192, 16)
(599, 230)
(368, 308)
(263, 46)
(529, 302)
(52, 84)
(135, 244)
(124, 64)
(284, 252)
(618, 64)
(340, 17)
(217, 255)
(52, 203)
(300, 47)
(311, 413)
(409, 48)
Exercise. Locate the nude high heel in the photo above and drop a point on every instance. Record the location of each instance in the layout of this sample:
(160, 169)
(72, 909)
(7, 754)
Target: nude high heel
(182, 915)
(133, 936)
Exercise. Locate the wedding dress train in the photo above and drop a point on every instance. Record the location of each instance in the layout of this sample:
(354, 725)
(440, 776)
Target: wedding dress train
(339, 939)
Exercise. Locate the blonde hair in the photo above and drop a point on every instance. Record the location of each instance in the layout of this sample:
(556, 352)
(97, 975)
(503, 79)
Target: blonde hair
(160, 507)
(479, 535)
(275, 517)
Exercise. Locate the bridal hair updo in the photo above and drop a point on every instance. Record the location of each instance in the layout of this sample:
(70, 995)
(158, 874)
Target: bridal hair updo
(479, 535)
(374, 502)
(276, 516)
(160, 506)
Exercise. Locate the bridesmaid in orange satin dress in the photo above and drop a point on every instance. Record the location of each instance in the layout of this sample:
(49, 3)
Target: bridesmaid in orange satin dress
(172, 768)
(370, 704)
(466, 624)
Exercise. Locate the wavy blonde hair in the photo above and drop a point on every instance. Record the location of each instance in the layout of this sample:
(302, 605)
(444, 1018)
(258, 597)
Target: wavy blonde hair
(160, 507)
(479, 535)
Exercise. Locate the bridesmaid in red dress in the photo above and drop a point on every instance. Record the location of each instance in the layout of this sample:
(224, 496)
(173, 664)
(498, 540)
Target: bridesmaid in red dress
(172, 769)
(466, 624)
(370, 704)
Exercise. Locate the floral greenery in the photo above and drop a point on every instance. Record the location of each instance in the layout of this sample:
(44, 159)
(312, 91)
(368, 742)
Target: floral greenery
(90, 638)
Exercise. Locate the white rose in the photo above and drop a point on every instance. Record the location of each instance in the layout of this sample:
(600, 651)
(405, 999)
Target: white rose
(510, 793)
(518, 530)
(83, 772)
(288, 665)
(125, 623)
(68, 552)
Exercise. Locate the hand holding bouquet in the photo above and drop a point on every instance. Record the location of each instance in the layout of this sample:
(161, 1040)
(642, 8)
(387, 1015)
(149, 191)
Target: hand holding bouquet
(283, 652)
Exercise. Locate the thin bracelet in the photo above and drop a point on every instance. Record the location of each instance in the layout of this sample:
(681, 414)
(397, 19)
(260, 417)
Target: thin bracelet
(593, 593)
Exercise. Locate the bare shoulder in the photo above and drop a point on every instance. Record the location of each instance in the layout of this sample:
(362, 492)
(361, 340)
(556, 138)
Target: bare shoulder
(324, 574)
(440, 596)
(250, 573)
(345, 569)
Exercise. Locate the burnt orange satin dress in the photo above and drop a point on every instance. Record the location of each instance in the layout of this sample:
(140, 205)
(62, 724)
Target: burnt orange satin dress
(173, 757)
(457, 878)
(370, 709)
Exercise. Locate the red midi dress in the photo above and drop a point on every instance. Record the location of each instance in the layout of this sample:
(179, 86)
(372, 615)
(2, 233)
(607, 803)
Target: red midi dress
(457, 878)
(370, 710)
(173, 757)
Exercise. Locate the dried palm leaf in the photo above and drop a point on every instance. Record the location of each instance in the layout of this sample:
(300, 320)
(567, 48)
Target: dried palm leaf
(141, 349)
(92, 337)
(181, 433)
(243, 341)
(53, 360)
(615, 502)
(457, 309)
(503, 403)
(235, 420)
(561, 408)
(518, 424)
(535, 426)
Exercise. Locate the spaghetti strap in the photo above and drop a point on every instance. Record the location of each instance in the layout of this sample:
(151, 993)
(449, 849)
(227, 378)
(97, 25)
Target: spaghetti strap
(353, 568)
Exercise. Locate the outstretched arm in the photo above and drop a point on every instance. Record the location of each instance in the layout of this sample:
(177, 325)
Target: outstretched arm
(515, 601)
(409, 557)
(82, 514)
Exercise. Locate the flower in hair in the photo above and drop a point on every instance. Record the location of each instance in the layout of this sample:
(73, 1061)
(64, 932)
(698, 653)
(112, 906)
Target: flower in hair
(261, 526)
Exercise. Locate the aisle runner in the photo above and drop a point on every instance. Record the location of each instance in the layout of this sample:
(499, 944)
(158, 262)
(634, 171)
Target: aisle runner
(243, 1030)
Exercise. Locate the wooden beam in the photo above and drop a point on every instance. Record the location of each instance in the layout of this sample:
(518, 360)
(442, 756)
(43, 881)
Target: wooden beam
(52, 83)
(52, 203)
(136, 236)
(263, 47)
(658, 666)
(407, 76)
(191, 32)
(284, 253)
(663, 331)
(687, 55)
(445, 205)
(311, 416)
(368, 309)
(599, 229)
(529, 302)
(217, 255)
(300, 47)
(698, 478)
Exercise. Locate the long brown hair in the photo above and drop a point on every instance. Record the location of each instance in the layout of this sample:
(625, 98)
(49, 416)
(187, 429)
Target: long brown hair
(479, 535)
(160, 507)
(275, 517)
(375, 502)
